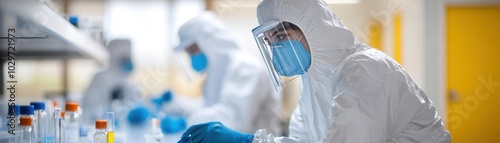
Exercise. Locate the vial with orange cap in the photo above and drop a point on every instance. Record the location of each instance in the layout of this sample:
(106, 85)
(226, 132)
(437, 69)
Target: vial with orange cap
(71, 125)
(100, 133)
(27, 132)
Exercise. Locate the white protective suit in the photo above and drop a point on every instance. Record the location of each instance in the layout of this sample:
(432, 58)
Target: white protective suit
(110, 83)
(237, 90)
(351, 93)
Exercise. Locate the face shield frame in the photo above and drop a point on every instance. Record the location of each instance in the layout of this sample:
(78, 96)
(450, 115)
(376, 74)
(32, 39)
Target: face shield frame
(283, 53)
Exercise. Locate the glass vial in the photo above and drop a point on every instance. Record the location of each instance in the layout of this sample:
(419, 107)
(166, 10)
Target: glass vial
(41, 118)
(71, 125)
(26, 126)
(100, 135)
(28, 111)
(58, 125)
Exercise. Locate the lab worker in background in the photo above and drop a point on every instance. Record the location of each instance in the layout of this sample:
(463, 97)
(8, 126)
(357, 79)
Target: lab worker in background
(237, 90)
(111, 90)
(351, 93)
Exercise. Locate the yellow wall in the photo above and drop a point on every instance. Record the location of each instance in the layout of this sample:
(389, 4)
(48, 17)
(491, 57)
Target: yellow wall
(473, 50)
(376, 35)
(398, 39)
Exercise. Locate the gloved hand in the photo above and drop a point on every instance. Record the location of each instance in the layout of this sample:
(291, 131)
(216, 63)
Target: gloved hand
(138, 116)
(165, 97)
(172, 124)
(213, 132)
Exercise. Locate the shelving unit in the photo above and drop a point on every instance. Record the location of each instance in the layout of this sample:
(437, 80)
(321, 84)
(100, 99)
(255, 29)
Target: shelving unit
(51, 36)
(41, 33)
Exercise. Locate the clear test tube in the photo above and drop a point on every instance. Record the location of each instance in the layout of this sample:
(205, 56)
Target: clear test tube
(111, 127)
(58, 125)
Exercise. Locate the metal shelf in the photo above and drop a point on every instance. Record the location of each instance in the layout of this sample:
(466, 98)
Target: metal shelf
(43, 34)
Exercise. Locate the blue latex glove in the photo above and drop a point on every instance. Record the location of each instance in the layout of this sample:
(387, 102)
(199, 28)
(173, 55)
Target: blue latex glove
(172, 124)
(165, 97)
(214, 132)
(138, 116)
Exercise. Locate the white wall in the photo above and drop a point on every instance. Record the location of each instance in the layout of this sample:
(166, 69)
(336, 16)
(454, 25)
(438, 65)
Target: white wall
(241, 21)
(423, 48)
(412, 39)
(356, 17)
(435, 54)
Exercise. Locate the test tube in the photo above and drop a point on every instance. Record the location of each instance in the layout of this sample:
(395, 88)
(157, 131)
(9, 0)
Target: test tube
(111, 128)
(58, 125)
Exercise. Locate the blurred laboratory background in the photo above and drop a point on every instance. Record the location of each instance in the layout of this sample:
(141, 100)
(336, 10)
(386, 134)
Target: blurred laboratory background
(451, 48)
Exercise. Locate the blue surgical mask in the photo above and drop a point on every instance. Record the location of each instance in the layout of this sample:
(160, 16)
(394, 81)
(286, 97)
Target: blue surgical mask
(128, 66)
(199, 62)
(286, 62)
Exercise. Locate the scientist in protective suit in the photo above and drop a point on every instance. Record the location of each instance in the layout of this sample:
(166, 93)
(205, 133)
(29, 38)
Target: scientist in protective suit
(351, 93)
(237, 90)
(111, 90)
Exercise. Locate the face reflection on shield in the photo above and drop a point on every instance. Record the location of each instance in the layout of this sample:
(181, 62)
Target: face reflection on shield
(289, 55)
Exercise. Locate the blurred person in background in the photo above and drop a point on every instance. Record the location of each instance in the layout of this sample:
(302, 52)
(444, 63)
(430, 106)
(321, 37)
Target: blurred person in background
(111, 90)
(237, 90)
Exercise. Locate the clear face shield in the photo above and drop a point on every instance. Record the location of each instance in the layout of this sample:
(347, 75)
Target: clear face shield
(281, 46)
(192, 62)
